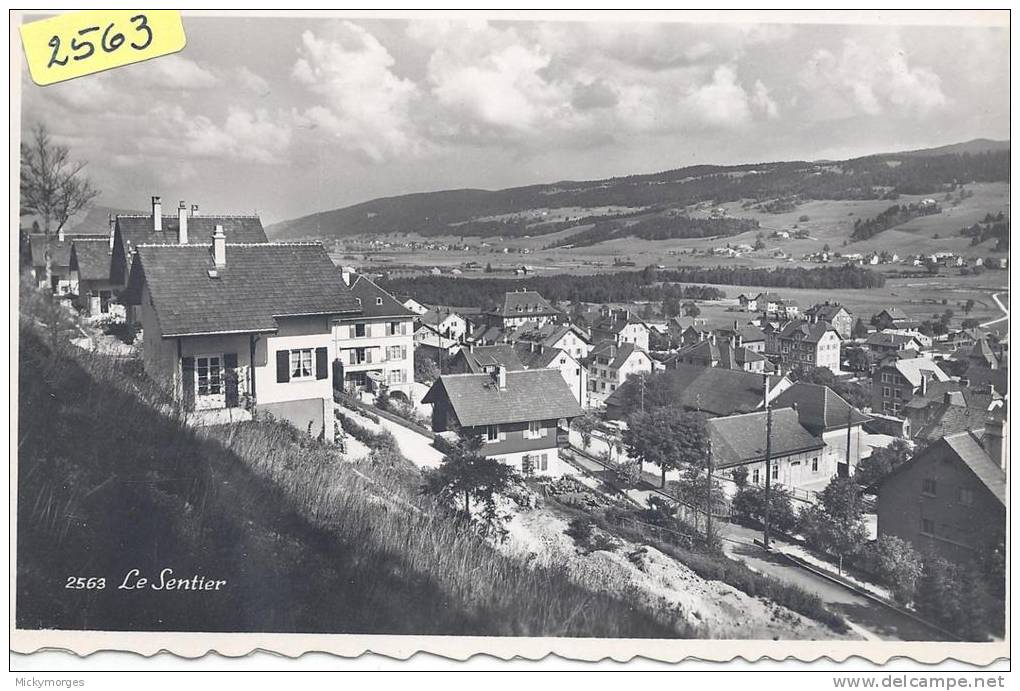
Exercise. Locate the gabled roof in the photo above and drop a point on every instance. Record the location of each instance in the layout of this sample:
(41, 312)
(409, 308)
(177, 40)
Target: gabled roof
(894, 313)
(478, 357)
(259, 283)
(60, 250)
(90, 257)
(820, 408)
(826, 311)
(524, 303)
(740, 439)
(951, 418)
(983, 352)
(912, 369)
(613, 356)
(882, 338)
(547, 334)
(804, 331)
(137, 230)
(476, 399)
(616, 321)
(965, 448)
(713, 390)
(376, 302)
(437, 315)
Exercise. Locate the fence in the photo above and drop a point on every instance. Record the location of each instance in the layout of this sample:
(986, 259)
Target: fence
(346, 399)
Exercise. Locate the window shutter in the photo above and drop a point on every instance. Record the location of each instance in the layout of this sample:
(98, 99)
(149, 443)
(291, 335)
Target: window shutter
(230, 379)
(282, 366)
(403, 352)
(321, 367)
(188, 382)
(368, 355)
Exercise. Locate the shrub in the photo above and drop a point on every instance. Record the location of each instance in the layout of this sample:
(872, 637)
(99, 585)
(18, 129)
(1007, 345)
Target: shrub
(956, 598)
(749, 506)
(896, 564)
(125, 331)
(589, 537)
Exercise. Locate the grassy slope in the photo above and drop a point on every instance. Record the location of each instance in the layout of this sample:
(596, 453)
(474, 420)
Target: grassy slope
(307, 542)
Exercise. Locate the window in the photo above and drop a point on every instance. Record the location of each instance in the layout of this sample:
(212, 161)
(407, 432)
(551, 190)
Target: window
(927, 526)
(899, 392)
(359, 356)
(928, 486)
(301, 364)
(491, 433)
(543, 462)
(393, 329)
(756, 477)
(966, 496)
(104, 301)
(378, 302)
(775, 472)
(209, 375)
(359, 331)
(395, 353)
(814, 464)
(535, 430)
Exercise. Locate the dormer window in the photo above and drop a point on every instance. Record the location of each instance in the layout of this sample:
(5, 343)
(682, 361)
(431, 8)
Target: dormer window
(378, 301)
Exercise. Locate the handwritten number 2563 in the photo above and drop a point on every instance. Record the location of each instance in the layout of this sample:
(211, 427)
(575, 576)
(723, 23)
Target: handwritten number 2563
(109, 41)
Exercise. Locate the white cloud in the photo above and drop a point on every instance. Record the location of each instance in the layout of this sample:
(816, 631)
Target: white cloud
(251, 81)
(872, 79)
(168, 72)
(722, 102)
(365, 106)
(763, 101)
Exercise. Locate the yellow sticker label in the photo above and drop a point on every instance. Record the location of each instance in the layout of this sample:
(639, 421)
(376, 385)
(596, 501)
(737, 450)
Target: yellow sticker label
(80, 43)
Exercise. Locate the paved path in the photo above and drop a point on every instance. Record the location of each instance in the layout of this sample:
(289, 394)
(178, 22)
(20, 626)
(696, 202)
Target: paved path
(1005, 310)
(415, 447)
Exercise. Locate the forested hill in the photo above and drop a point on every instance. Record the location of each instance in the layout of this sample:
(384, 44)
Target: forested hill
(516, 211)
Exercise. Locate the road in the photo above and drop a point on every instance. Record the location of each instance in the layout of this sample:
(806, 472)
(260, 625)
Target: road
(1005, 310)
(867, 617)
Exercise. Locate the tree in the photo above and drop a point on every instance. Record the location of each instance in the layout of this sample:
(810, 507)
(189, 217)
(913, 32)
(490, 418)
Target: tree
(585, 425)
(969, 323)
(426, 370)
(488, 267)
(667, 437)
(858, 359)
(465, 476)
(956, 598)
(739, 476)
(968, 306)
(691, 309)
(671, 307)
(825, 248)
(749, 504)
(897, 565)
(882, 462)
(836, 526)
(860, 329)
(647, 312)
(53, 187)
(759, 244)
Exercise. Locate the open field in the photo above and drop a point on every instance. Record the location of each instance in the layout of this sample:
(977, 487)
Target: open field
(830, 222)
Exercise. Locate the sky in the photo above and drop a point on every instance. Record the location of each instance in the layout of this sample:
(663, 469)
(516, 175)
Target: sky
(289, 116)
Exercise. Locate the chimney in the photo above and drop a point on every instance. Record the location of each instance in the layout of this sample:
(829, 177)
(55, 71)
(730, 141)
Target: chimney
(182, 223)
(113, 227)
(194, 210)
(994, 441)
(501, 377)
(157, 214)
(219, 246)
(924, 384)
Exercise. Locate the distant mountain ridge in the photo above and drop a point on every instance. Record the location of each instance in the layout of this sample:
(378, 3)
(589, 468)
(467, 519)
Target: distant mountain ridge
(516, 211)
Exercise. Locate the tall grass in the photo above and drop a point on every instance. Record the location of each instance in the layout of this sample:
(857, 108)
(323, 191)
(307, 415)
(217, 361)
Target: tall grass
(306, 541)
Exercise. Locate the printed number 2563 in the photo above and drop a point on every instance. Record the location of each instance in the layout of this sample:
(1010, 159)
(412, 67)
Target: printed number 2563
(109, 41)
(81, 583)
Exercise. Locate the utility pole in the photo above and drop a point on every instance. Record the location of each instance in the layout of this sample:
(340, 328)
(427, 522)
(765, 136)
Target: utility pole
(768, 462)
(849, 418)
(708, 507)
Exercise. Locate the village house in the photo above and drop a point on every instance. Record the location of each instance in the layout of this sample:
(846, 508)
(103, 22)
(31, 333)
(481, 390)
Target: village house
(523, 355)
(516, 414)
(833, 313)
(898, 380)
(609, 365)
(130, 231)
(55, 251)
(727, 353)
(747, 336)
(620, 326)
(566, 337)
(949, 407)
(893, 318)
(884, 343)
(950, 498)
(519, 307)
(90, 271)
(375, 348)
(796, 454)
(447, 322)
(805, 344)
(695, 333)
(924, 340)
(234, 328)
(825, 414)
(414, 306)
(710, 390)
(675, 326)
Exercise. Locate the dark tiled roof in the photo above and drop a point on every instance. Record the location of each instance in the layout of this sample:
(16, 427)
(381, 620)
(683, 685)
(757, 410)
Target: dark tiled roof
(895, 313)
(548, 334)
(436, 315)
(137, 230)
(973, 455)
(91, 258)
(538, 394)
(259, 282)
(612, 355)
(825, 311)
(713, 390)
(945, 419)
(803, 331)
(740, 439)
(983, 376)
(376, 302)
(60, 250)
(478, 357)
(820, 408)
(525, 302)
(885, 339)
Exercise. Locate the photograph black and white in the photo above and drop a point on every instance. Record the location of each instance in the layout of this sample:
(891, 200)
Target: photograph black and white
(584, 327)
